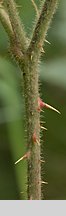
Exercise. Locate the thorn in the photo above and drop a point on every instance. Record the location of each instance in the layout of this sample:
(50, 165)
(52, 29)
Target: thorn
(47, 41)
(35, 139)
(43, 128)
(42, 110)
(1, 4)
(52, 108)
(41, 48)
(43, 182)
(21, 192)
(19, 6)
(31, 57)
(42, 161)
(26, 156)
(41, 105)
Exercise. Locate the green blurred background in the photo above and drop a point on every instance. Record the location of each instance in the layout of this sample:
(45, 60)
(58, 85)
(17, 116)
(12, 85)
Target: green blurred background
(12, 112)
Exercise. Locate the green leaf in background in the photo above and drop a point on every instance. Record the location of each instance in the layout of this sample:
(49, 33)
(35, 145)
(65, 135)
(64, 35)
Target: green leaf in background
(11, 109)
(54, 72)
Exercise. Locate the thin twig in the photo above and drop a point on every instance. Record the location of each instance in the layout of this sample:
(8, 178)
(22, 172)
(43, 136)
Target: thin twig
(39, 33)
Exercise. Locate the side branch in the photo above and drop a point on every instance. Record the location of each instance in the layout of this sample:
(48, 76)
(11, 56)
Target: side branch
(41, 28)
(4, 18)
(18, 29)
(14, 45)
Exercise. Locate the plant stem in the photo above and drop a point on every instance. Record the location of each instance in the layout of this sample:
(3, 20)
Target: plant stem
(31, 87)
(33, 129)
(18, 28)
(28, 57)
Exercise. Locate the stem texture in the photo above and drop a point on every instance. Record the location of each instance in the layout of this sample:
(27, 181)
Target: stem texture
(28, 57)
(33, 129)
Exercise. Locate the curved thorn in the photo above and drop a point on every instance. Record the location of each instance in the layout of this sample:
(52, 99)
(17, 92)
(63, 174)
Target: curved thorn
(42, 161)
(52, 108)
(26, 156)
(43, 128)
(43, 182)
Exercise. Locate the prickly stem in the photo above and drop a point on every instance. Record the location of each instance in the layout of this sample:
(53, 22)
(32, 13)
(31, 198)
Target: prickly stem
(27, 54)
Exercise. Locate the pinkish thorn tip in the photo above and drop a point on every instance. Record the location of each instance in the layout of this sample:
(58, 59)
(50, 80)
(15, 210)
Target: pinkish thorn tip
(34, 137)
(44, 128)
(41, 105)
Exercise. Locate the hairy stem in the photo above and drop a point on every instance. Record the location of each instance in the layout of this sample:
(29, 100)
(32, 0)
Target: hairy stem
(27, 58)
(18, 29)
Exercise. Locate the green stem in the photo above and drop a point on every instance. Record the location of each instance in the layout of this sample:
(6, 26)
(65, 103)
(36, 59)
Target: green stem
(27, 58)
(47, 10)
(18, 29)
(31, 87)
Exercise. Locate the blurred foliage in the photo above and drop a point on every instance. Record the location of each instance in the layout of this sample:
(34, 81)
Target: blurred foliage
(12, 110)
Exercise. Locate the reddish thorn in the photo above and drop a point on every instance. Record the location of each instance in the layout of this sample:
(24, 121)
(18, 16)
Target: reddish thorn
(43, 182)
(43, 127)
(35, 139)
(52, 108)
(42, 161)
(41, 104)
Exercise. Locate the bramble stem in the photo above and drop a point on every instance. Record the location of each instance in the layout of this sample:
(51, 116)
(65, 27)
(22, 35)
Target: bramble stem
(39, 33)
(18, 28)
(33, 128)
(27, 56)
